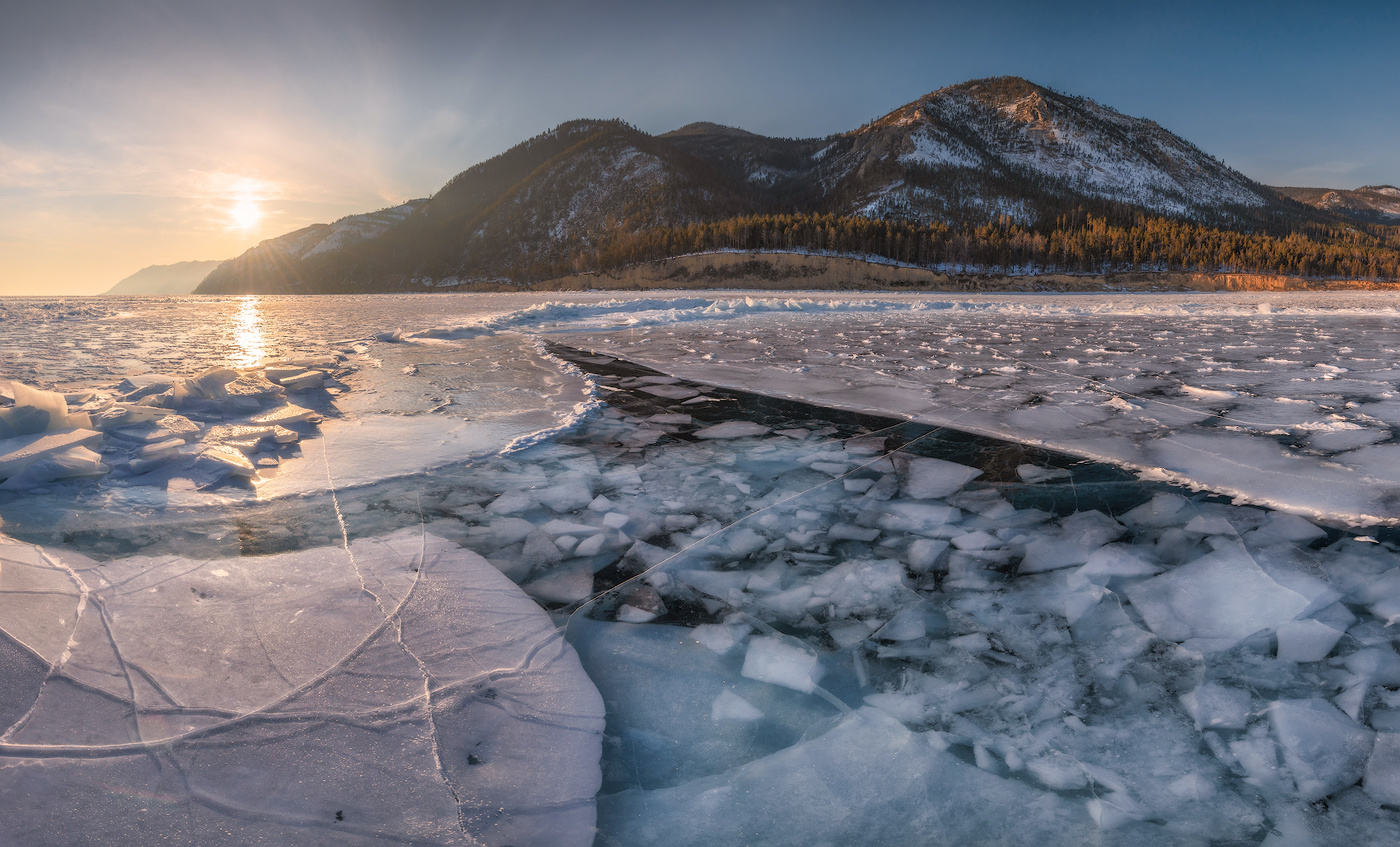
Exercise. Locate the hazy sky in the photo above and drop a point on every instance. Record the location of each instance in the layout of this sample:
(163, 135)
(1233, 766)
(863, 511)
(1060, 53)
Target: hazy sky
(138, 133)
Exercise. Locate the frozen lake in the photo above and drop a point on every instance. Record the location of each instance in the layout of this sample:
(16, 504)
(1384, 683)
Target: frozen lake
(702, 569)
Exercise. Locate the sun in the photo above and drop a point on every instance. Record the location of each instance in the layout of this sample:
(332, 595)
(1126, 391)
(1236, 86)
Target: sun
(246, 213)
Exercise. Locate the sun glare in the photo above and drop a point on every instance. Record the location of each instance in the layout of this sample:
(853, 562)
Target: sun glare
(246, 213)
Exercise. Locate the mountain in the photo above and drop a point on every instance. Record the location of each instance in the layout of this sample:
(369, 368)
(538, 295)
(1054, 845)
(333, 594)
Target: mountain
(179, 278)
(1369, 204)
(1029, 162)
(524, 212)
(275, 265)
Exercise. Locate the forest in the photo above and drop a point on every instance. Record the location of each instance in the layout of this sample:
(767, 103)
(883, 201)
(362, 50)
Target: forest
(1090, 246)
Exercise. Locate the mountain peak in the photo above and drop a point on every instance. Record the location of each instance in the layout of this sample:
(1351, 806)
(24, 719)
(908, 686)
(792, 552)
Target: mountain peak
(708, 128)
(995, 91)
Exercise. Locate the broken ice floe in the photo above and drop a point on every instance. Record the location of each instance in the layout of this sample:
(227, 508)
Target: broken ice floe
(1154, 655)
(1268, 407)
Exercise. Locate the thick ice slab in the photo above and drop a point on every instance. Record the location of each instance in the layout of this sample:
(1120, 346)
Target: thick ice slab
(868, 780)
(400, 689)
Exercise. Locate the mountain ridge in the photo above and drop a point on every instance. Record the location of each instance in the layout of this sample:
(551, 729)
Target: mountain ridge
(172, 279)
(1001, 152)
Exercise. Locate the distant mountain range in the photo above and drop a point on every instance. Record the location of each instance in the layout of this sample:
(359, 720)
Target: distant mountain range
(1026, 177)
(1368, 204)
(179, 278)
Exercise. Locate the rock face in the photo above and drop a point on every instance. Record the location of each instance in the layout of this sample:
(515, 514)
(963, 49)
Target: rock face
(1000, 149)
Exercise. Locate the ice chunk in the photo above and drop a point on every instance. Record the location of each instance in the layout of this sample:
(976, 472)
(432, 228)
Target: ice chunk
(539, 551)
(287, 413)
(908, 624)
(1034, 473)
(731, 429)
(861, 587)
(591, 546)
(564, 586)
(781, 662)
(1057, 771)
(1215, 706)
(303, 380)
(1211, 525)
(34, 411)
(73, 463)
(567, 495)
(911, 516)
(560, 527)
(922, 553)
(19, 452)
(1286, 527)
(1324, 749)
(1306, 641)
(978, 540)
(720, 638)
(670, 392)
(1162, 510)
(788, 606)
(1224, 596)
(850, 532)
(1382, 597)
(867, 780)
(229, 460)
(1117, 562)
(1383, 770)
(641, 605)
(171, 426)
(508, 530)
(1077, 537)
(161, 448)
(729, 706)
(931, 479)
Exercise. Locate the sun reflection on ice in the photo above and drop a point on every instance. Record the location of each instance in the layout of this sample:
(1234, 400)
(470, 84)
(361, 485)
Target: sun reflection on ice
(247, 335)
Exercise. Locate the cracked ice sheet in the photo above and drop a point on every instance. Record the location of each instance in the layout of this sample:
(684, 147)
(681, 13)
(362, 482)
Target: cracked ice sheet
(402, 691)
(1287, 408)
(465, 399)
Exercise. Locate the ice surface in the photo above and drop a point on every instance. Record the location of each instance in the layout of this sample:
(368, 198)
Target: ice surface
(833, 643)
(384, 690)
(1105, 377)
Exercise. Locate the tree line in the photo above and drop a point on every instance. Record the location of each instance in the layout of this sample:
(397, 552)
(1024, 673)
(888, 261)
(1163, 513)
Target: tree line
(1088, 245)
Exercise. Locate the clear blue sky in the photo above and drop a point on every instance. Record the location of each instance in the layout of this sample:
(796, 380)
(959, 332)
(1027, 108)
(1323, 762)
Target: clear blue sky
(139, 132)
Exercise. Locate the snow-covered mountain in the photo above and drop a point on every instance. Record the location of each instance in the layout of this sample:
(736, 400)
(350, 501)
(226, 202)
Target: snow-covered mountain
(1033, 140)
(1367, 204)
(981, 151)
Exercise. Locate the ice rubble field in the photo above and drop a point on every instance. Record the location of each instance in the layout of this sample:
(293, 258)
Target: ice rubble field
(805, 628)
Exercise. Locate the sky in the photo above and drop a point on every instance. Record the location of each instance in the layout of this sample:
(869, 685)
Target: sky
(135, 132)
